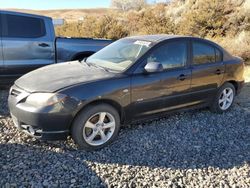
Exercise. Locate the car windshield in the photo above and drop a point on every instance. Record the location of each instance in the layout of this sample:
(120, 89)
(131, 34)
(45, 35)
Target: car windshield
(119, 55)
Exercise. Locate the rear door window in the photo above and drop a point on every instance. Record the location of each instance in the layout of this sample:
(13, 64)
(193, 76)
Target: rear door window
(203, 53)
(23, 27)
(218, 55)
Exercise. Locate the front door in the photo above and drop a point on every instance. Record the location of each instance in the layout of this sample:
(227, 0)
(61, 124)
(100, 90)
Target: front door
(26, 44)
(146, 93)
(157, 92)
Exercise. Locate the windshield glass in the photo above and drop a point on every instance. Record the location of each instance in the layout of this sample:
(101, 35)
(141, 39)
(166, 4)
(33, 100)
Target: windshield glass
(120, 55)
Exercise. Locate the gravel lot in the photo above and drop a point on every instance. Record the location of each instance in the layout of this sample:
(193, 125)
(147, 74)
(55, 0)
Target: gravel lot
(191, 149)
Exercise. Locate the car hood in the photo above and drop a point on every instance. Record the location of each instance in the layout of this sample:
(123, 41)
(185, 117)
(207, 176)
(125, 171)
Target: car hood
(55, 77)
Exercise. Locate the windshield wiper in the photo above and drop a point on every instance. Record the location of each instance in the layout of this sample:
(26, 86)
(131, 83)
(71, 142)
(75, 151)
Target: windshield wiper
(98, 66)
(85, 62)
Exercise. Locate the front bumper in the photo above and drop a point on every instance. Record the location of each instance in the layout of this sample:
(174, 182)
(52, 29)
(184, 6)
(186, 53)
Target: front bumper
(38, 132)
(48, 123)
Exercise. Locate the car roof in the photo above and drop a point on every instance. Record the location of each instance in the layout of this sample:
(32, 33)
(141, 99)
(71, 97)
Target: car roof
(162, 37)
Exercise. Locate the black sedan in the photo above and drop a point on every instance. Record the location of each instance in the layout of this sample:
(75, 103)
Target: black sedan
(133, 78)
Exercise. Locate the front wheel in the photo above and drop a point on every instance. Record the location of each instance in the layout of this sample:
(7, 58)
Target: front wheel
(224, 98)
(95, 127)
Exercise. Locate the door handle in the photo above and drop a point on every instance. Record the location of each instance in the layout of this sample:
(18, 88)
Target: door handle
(44, 45)
(182, 77)
(218, 72)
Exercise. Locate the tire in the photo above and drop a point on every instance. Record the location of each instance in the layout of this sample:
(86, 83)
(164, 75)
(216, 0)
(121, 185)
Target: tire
(88, 129)
(218, 106)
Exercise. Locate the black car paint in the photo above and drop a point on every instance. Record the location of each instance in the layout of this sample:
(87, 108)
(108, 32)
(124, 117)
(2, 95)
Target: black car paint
(134, 93)
(62, 75)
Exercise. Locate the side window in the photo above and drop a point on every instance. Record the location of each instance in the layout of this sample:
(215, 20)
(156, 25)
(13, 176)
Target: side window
(203, 53)
(170, 55)
(23, 27)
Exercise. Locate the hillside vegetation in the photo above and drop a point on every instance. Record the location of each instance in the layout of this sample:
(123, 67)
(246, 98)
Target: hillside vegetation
(70, 15)
(224, 21)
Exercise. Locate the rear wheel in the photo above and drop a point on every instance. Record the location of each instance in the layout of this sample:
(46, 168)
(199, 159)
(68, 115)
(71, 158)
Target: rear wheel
(95, 127)
(224, 98)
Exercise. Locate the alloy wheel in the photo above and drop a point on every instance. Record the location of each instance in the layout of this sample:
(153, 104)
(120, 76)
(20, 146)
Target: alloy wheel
(226, 98)
(99, 128)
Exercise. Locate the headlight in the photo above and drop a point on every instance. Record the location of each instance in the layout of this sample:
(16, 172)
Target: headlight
(45, 99)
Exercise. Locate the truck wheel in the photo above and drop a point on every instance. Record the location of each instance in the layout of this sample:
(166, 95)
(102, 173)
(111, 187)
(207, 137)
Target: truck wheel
(95, 127)
(224, 98)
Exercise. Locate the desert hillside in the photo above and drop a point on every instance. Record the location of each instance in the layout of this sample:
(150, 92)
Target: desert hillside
(70, 15)
(226, 22)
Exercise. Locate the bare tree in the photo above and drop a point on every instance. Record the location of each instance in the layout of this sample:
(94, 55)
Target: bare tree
(126, 5)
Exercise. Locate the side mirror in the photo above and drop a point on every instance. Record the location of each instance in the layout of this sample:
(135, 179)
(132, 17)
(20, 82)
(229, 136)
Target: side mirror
(153, 67)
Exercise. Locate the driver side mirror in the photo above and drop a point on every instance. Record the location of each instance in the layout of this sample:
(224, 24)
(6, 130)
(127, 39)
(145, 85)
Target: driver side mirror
(152, 67)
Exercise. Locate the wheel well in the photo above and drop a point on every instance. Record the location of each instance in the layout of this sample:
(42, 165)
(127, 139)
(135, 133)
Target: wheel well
(114, 104)
(82, 55)
(235, 84)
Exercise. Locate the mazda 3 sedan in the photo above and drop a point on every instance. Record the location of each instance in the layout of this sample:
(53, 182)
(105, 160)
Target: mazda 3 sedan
(133, 78)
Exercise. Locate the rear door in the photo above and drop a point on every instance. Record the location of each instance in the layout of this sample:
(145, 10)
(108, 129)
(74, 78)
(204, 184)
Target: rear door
(27, 44)
(207, 70)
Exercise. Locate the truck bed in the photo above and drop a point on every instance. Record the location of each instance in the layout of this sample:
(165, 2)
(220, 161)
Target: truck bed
(65, 47)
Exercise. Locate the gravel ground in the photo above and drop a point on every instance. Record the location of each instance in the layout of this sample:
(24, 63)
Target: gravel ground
(191, 149)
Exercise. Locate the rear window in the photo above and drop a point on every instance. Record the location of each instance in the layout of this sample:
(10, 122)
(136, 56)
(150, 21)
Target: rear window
(23, 27)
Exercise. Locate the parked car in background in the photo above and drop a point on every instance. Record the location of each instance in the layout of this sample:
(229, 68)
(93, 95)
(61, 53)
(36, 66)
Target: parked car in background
(28, 42)
(133, 78)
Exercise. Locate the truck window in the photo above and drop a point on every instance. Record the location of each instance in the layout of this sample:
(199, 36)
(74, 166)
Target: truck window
(23, 27)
